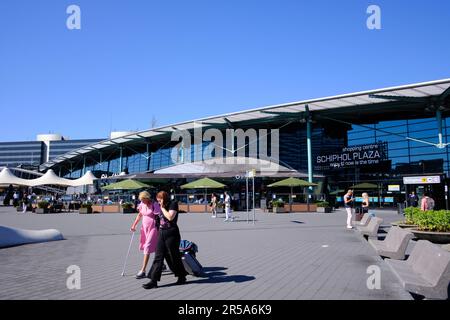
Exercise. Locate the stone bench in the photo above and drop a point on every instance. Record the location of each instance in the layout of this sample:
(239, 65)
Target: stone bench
(394, 245)
(364, 221)
(426, 272)
(371, 230)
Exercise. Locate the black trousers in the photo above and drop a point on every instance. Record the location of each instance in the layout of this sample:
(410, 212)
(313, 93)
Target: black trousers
(168, 248)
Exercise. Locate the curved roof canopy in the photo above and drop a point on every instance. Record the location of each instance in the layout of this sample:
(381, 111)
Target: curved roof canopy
(49, 178)
(7, 178)
(412, 100)
(233, 165)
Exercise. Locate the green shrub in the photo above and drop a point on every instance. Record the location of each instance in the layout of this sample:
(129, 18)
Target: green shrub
(322, 204)
(87, 205)
(277, 203)
(127, 205)
(410, 213)
(433, 220)
(42, 204)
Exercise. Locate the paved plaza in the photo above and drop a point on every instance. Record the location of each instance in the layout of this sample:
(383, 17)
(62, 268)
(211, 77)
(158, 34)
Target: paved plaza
(282, 256)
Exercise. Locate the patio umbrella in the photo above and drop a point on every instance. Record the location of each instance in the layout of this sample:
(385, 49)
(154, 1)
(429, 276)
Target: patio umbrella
(336, 192)
(292, 182)
(127, 185)
(204, 183)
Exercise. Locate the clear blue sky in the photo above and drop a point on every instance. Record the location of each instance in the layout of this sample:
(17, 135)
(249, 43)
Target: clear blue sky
(180, 60)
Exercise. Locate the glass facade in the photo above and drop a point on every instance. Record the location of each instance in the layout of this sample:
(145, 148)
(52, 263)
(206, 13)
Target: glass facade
(406, 157)
(58, 148)
(26, 153)
(31, 154)
(404, 152)
(136, 159)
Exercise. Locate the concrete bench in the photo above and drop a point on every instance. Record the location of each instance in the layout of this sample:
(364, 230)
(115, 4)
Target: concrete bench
(364, 221)
(371, 230)
(426, 272)
(394, 245)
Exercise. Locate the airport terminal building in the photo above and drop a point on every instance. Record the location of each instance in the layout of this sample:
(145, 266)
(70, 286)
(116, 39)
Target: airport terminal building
(393, 140)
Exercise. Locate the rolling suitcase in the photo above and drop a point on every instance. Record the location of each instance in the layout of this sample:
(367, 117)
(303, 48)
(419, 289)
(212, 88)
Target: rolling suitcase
(191, 264)
(188, 252)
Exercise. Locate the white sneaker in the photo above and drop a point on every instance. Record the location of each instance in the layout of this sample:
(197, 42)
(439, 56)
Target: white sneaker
(140, 275)
(213, 216)
(226, 220)
(349, 227)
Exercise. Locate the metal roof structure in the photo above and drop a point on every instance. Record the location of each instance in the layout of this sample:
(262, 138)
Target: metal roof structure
(416, 99)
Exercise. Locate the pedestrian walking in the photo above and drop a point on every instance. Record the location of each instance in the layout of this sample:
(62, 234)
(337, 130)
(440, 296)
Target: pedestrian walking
(214, 205)
(169, 239)
(147, 211)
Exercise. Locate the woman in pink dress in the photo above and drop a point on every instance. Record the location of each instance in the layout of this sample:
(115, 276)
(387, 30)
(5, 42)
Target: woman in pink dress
(147, 210)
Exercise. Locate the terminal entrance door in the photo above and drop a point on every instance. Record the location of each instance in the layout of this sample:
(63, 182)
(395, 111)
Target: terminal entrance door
(436, 191)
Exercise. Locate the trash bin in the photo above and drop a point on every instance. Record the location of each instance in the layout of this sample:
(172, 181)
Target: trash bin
(401, 208)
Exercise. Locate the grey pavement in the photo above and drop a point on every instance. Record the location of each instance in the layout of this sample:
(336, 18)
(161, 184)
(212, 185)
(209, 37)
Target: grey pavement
(282, 256)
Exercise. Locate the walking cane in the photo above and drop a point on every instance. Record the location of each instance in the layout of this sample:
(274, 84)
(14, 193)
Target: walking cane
(128, 253)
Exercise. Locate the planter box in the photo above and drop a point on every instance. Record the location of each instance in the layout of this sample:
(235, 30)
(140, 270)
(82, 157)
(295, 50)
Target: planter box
(300, 207)
(128, 210)
(278, 210)
(432, 236)
(85, 210)
(183, 208)
(108, 208)
(97, 209)
(111, 208)
(403, 225)
(198, 208)
(324, 209)
(41, 210)
(220, 210)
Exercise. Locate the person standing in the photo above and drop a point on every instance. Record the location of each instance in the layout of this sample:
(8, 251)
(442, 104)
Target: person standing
(413, 200)
(365, 204)
(15, 199)
(168, 243)
(147, 210)
(227, 202)
(348, 204)
(24, 203)
(427, 203)
(214, 205)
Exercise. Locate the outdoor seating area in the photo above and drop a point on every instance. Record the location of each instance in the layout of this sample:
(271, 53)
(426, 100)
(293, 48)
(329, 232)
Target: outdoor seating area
(426, 271)
(371, 230)
(394, 245)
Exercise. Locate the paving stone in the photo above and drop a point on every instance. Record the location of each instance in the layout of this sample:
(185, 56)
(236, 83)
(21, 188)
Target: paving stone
(282, 256)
